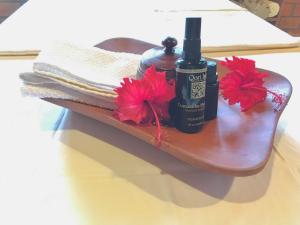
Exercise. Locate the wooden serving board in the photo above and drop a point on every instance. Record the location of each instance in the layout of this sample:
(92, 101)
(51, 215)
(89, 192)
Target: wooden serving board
(235, 143)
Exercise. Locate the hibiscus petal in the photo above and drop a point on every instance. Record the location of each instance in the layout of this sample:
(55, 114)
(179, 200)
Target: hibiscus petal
(243, 84)
(163, 91)
(134, 97)
(131, 101)
(240, 64)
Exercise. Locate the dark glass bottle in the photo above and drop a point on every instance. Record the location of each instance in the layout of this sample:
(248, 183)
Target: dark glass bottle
(211, 92)
(190, 81)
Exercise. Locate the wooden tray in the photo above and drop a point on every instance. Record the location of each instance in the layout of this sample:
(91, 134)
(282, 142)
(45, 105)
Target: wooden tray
(235, 143)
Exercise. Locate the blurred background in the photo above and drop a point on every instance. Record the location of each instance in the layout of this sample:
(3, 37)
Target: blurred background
(8, 7)
(284, 14)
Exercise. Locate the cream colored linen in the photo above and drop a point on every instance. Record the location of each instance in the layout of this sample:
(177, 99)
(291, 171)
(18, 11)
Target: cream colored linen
(59, 167)
(225, 27)
(88, 75)
(40, 87)
(92, 68)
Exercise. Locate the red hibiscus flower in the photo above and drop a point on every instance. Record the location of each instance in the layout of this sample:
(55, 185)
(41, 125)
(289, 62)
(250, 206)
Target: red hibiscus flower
(162, 91)
(146, 100)
(132, 101)
(244, 84)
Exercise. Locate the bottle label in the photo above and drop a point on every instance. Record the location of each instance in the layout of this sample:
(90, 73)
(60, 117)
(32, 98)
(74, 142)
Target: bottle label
(191, 71)
(190, 94)
(197, 90)
(196, 79)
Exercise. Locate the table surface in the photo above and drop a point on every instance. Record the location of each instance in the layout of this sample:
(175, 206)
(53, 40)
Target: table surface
(59, 167)
(225, 25)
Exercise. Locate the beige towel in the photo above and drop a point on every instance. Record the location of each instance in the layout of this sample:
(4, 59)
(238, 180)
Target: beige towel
(37, 86)
(87, 75)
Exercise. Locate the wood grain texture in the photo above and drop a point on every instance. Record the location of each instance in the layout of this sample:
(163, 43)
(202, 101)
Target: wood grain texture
(235, 143)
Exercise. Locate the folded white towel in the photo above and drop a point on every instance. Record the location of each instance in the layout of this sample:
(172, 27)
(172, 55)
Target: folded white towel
(88, 75)
(92, 68)
(37, 86)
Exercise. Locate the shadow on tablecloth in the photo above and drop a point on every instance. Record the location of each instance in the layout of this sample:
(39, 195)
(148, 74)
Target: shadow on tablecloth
(154, 171)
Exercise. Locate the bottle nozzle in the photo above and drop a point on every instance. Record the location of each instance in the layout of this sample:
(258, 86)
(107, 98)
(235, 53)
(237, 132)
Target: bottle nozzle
(192, 41)
(192, 28)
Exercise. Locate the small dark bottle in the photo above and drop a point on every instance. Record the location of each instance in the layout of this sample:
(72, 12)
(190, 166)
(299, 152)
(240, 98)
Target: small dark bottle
(211, 92)
(190, 81)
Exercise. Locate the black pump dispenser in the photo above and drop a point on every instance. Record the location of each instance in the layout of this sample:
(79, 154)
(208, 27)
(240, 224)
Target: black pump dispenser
(190, 81)
(192, 40)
